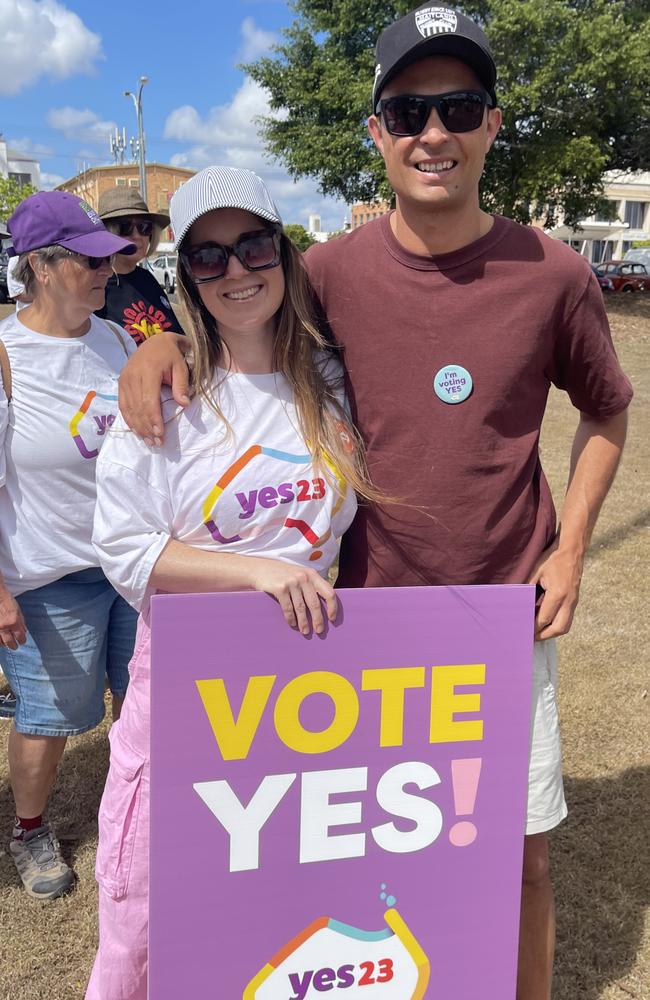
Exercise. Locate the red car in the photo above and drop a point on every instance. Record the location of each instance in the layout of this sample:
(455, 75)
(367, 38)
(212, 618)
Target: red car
(606, 284)
(625, 275)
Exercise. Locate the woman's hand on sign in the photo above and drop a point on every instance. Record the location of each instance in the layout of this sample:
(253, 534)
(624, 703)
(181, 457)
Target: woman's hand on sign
(12, 624)
(299, 592)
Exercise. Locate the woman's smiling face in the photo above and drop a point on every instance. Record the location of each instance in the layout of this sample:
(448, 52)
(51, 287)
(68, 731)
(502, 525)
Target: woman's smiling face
(242, 301)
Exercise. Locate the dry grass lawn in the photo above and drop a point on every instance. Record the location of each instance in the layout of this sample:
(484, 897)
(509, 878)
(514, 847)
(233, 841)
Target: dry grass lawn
(601, 863)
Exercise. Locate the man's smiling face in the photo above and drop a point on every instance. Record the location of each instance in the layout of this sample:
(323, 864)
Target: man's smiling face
(436, 169)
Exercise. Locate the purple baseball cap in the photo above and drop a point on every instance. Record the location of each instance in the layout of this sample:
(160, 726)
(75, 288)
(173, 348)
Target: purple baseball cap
(57, 217)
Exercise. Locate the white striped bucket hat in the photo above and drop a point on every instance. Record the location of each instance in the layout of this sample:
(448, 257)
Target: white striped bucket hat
(219, 187)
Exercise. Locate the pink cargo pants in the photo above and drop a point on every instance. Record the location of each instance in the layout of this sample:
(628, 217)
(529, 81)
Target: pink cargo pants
(122, 869)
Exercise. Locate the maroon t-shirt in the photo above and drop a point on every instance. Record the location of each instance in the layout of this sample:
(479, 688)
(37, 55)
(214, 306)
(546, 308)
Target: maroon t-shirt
(518, 311)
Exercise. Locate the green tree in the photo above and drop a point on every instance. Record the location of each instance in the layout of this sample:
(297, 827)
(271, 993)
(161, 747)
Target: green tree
(572, 86)
(299, 236)
(11, 195)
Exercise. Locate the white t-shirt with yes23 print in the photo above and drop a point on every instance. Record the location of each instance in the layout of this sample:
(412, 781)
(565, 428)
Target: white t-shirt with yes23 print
(63, 401)
(251, 490)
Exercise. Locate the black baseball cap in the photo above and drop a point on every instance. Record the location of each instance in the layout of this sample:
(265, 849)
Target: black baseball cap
(433, 31)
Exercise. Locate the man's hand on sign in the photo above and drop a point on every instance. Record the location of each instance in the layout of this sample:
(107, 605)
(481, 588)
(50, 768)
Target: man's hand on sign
(159, 361)
(298, 591)
(12, 624)
(558, 573)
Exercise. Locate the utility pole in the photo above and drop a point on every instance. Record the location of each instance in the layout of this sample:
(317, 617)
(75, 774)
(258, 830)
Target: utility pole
(137, 100)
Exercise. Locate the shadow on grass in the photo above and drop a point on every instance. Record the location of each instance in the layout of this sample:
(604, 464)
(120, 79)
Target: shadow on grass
(602, 883)
(621, 533)
(632, 304)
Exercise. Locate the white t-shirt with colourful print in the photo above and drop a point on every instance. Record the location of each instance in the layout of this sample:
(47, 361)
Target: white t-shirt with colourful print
(251, 489)
(63, 400)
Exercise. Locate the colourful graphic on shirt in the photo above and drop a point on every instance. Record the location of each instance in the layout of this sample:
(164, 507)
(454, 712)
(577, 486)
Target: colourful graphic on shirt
(143, 321)
(345, 435)
(304, 490)
(102, 422)
(389, 964)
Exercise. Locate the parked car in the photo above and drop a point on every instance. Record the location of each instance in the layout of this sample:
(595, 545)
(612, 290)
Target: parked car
(606, 284)
(625, 275)
(164, 271)
(4, 294)
(641, 255)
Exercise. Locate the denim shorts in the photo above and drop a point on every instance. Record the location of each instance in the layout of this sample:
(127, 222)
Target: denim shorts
(79, 631)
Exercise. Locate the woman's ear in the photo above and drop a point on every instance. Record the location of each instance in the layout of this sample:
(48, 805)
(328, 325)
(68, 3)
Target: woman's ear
(38, 266)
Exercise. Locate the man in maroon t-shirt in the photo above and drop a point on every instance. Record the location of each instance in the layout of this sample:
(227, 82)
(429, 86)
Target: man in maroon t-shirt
(453, 325)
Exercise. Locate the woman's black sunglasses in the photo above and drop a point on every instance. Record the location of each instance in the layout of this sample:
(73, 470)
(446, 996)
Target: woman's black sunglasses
(459, 111)
(125, 227)
(255, 251)
(94, 263)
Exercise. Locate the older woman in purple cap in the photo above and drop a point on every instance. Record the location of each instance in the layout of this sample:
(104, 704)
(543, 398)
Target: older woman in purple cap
(264, 387)
(63, 627)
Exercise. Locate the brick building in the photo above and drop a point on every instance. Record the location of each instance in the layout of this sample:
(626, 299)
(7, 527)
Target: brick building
(361, 213)
(162, 182)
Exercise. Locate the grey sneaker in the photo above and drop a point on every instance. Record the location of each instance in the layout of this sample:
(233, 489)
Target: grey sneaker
(7, 705)
(38, 859)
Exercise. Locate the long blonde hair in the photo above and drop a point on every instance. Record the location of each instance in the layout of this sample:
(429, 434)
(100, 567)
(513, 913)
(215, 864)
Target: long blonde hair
(325, 426)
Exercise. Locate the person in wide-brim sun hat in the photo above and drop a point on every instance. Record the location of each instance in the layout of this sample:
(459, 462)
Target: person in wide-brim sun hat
(134, 298)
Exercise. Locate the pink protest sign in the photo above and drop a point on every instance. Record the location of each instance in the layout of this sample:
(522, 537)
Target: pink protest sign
(340, 815)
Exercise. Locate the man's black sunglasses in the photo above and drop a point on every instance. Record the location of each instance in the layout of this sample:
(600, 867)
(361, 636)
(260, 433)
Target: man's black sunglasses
(256, 251)
(459, 111)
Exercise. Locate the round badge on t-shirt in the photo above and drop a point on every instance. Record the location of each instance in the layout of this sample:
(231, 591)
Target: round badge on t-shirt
(453, 384)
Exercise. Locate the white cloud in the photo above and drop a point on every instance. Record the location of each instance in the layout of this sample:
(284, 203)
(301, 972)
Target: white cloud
(50, 181)
(255, 41)
(228, 135)
(78, 123)
(42, 37)
(226, 125)
(25, 145)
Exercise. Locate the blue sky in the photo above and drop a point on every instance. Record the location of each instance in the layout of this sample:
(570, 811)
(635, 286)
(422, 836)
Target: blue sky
(64, 65)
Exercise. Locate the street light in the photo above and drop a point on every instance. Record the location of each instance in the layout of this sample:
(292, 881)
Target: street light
(141, 151)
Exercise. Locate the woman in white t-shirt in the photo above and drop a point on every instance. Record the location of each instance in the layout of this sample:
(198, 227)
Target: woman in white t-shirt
(62, 625)
(252, 488)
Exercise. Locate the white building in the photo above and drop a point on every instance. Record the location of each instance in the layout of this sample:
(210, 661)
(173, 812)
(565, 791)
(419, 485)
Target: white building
(599, 239)
(315, 231)
(19, 166)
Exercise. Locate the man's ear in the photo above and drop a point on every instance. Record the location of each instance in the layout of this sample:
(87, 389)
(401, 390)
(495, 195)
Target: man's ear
(493, 125)
(376, 133)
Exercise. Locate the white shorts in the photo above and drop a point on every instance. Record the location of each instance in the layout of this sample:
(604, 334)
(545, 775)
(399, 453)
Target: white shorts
(546, 805)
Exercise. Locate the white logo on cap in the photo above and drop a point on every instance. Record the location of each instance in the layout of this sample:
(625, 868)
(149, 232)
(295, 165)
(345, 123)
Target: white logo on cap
(90, 212)
(435, 21)
(377, 71)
